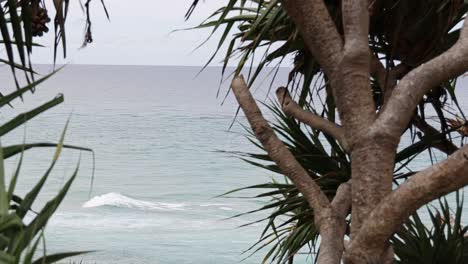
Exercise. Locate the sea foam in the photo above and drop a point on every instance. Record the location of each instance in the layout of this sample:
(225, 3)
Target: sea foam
(122, 201)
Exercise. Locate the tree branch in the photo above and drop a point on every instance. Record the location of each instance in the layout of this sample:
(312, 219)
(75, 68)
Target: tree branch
(334, 228)
(394, 75)
(354, 96)
(342, 201)
(423, 187)
(319, 32)
(341, 204)
(444, 145)
(411, 89)
(379, 72)
(325, 217)
(291, 108)
(276, 149)
(372, 157)
(387, 79)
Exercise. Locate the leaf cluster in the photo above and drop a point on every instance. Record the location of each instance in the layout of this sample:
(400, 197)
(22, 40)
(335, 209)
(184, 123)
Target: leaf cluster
(20, 237)
(21, 227)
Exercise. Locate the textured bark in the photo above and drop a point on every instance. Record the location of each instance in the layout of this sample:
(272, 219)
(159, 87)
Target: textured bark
(423, 187)
(372, 155)
(291, 108)
(353, 96)
(370, 138)
(342, 204)
(319, 32)
(277, 151)
(415, 84)
(349, 73)
(327, 220)
(332, 235)
(372, 164)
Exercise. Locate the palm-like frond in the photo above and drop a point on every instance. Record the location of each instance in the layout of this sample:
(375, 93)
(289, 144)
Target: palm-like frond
(442, 240)
(288, 212)
(289, 224)
(17, 238)
(23, 21)
(20, 23)
(257, 28)
(398, 35)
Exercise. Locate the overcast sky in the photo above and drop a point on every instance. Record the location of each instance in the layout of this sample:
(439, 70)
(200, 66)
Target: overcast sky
(139, 33)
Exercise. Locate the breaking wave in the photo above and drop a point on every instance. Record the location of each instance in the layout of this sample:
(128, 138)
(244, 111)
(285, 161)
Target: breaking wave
(122, 201)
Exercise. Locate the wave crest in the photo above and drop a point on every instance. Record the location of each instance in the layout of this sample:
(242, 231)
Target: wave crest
(118, 200)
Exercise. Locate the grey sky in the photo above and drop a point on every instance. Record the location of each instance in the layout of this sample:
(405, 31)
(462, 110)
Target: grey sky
(138, 34)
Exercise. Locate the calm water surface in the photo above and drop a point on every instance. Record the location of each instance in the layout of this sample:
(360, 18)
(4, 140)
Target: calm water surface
(154, 131)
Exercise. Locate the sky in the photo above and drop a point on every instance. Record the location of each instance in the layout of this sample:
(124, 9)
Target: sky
(138, 33)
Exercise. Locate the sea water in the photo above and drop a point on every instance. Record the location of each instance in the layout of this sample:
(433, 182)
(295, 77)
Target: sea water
(156, 133)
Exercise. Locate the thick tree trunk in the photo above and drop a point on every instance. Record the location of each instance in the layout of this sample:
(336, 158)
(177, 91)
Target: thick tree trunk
(369, 135)
(372, 163)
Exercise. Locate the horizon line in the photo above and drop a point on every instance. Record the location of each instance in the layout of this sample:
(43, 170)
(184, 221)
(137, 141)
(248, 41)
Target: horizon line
(149, 65)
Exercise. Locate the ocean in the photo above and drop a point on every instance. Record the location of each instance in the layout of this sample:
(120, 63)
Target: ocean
(156, 132)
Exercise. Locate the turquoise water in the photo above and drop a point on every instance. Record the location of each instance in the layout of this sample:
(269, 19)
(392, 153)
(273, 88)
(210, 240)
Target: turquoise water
(155, 132)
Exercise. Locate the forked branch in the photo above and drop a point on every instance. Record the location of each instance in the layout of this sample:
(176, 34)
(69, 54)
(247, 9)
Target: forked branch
(292, 109)
(354, 99)
(411, 89)
(326, 219)
(387, 78)
(423, 187)
(276, 149)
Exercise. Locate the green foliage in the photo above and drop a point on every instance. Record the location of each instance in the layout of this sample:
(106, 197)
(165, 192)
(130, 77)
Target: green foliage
(21, 228)
(444, 241)
(250, 26)
(21, 21)
(19, 237)
(262, 30)
(289, 225)
(399, 35)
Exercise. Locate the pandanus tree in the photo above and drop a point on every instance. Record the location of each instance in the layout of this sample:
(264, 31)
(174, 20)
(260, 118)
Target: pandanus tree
(389, 70)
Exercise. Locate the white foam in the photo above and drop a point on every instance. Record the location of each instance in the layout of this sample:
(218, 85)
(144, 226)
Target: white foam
(119, 200)
(211, 204)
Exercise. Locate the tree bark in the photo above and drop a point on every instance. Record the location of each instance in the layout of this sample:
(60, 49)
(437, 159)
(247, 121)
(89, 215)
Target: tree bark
(371, 138)
(328, 221)
(423, 187)
(291, 108)
(319, 32)
(411, 89)
(277, 151)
